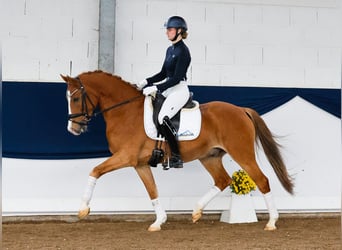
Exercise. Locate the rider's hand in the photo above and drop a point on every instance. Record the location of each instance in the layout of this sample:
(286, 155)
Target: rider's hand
(141, 84)
(150, 90)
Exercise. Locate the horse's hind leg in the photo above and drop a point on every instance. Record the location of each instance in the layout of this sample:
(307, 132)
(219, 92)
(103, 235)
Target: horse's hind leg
(247, 161)
(213, 164)
(261, 181)
(146, 176)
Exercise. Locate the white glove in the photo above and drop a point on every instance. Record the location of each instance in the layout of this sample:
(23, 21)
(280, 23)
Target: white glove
(141, 84)
(150, 90)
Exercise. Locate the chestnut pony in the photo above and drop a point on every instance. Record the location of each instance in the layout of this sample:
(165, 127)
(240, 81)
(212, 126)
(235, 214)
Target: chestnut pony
(225, 128)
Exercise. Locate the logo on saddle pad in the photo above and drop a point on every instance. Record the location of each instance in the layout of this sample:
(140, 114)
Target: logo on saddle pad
(189, 127)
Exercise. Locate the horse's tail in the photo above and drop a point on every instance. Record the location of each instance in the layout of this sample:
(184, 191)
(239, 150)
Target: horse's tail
(271, 149)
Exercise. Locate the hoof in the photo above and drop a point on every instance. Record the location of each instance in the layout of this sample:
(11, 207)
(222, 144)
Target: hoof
(154, 228)
(270, 228)
(196, 216)
(83, 213)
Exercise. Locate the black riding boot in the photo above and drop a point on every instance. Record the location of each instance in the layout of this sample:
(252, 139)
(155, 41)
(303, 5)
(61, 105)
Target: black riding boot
(170, 134)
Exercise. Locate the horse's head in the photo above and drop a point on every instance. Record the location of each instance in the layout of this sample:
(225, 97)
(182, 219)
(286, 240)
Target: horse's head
(80, 106)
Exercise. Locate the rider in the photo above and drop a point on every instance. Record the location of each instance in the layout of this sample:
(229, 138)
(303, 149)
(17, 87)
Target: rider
(170, 81)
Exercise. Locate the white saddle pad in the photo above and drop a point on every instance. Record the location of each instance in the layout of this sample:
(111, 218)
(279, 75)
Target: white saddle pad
(189, 127)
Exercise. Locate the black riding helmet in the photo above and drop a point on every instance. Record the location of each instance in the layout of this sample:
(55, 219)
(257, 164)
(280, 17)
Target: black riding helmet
(176, 22)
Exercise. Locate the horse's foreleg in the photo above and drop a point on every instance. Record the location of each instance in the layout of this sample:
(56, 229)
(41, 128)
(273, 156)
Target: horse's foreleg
(88, 193)
(120, 160)
(146, 176)
(161, 216)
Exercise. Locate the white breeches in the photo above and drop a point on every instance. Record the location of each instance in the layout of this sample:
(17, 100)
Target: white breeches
(176, 97)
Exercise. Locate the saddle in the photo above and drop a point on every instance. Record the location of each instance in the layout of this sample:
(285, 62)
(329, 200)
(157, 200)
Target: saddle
(157, 103)
(187, 121)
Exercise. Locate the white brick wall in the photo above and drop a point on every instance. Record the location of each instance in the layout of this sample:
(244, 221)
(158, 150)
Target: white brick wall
(250, 43)
(257, 43)
(42, 39)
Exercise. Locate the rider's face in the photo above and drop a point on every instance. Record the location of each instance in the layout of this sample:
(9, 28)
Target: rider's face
(171, 33)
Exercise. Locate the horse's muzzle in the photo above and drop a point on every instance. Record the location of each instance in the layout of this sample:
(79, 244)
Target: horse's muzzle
(77, 128)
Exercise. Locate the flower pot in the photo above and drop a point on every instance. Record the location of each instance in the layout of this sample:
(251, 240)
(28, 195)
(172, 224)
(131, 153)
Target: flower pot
(241, 210)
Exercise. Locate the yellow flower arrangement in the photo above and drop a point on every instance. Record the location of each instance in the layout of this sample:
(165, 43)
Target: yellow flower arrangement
(242, 183)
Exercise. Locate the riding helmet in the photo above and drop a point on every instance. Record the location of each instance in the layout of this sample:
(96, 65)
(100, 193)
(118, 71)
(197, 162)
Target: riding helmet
(176, 22)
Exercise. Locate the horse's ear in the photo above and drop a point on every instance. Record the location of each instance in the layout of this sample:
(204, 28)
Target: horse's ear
(70, 81)
(65, 78)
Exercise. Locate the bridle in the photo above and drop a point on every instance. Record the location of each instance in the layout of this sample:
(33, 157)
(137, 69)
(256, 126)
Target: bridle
(85, 110)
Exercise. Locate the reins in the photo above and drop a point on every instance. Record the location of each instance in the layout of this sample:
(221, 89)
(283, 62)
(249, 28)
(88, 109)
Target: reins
(117, 105)
(85, 111)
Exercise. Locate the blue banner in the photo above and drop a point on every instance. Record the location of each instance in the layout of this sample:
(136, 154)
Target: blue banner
(35, 116)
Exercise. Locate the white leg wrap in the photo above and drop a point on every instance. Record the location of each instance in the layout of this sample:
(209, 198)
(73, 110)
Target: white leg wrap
(207, 198)
(272, 210)
(160, 214)
(88, 193)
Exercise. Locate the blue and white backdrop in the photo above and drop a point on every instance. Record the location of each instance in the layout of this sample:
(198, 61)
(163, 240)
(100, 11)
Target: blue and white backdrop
(280, 58)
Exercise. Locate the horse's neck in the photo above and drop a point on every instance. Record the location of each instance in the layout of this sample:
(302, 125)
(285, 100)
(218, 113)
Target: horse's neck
(109, 88)
(116, 93)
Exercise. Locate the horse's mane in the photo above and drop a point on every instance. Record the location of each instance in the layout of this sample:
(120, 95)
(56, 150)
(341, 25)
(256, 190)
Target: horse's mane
(105, 73)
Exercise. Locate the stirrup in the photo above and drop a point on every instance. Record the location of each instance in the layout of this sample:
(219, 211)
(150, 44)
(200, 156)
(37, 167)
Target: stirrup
(165, 165)
(156, 157)
(157, 154)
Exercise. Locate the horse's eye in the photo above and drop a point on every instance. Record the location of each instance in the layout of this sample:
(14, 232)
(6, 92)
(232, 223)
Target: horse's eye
(76, 99)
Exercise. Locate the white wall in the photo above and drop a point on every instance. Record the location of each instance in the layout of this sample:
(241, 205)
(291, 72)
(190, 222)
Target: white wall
(259, 43)
(42, 39)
